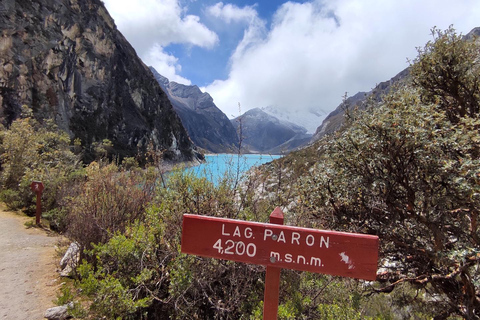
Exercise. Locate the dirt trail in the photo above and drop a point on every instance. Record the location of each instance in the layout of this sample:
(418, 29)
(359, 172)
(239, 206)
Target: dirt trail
(28, 262)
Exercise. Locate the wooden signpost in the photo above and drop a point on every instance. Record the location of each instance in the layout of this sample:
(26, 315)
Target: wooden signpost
(277, 247)
(37, 187)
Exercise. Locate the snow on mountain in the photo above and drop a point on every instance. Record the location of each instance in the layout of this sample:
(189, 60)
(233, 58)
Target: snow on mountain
(310, 120)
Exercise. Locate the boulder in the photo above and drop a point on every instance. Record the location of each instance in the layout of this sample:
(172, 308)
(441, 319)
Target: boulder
(70, 260)
(58, 313)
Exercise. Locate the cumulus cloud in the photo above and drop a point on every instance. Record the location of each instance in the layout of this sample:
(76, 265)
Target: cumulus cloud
(254, 32)
(314, 52)
(165, 64)
(151, 25)
(232, 13)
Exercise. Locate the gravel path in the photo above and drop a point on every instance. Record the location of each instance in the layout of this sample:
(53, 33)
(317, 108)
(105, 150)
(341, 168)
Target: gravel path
(28, 262)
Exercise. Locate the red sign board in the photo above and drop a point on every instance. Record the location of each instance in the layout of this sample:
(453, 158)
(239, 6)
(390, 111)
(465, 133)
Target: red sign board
(328, 252)
(37, 186)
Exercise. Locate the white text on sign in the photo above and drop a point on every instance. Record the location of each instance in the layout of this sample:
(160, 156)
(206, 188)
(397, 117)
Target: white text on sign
(240, 248)
(295, 237)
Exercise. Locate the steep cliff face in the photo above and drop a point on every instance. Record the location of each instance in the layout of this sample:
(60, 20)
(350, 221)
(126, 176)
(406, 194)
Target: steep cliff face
(67, 60)
(208, 127)
(263, 133)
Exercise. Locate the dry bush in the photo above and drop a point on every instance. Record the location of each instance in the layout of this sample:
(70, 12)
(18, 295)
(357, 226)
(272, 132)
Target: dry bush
(106, 202)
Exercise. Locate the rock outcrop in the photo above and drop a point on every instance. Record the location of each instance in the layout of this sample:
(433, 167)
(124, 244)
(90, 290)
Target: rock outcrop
(208, 127)
(67, 61)
(70, 260)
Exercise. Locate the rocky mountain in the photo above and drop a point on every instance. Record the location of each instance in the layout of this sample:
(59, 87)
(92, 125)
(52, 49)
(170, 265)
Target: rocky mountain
(67, 61)
(474, 34)
(208, 127)
(263, 133)
(335, 119)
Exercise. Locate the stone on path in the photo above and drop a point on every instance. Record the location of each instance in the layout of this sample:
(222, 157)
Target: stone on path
(57, 313)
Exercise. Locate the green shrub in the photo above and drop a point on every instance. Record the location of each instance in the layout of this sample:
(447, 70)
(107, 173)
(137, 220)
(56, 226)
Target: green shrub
(12, 199)
(143, 258)
(33, 151)
(57, 219)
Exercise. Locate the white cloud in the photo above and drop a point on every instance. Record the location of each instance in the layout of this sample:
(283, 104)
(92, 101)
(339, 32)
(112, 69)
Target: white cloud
(152, 24)
(231, 13)
(254, 32)
(165, 64)
(316, 51)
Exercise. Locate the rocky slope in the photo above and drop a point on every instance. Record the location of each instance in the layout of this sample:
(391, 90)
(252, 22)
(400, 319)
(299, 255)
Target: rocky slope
(335, 119)
(67, 61)
(263, 133)
(208, 127)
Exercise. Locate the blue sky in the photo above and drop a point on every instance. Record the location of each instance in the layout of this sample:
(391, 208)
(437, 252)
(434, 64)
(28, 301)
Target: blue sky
(295, 55)
(203, 66)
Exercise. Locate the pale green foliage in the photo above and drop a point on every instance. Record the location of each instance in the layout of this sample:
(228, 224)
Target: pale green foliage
(408, 170)
(19, 152)
(33, 151)
(123, 267)
(102, 149)
(446, 72)
(111, 297)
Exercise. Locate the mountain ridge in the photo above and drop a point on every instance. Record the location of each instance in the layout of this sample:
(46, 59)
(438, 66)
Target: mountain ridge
(208, 127)
(308, 119)
(262, 133)
(334, 120)
(68, 62)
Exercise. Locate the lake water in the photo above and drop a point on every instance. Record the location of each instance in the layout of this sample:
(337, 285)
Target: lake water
(216, 166)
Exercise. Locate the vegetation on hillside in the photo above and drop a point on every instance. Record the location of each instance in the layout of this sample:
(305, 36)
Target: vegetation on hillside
(406, 169)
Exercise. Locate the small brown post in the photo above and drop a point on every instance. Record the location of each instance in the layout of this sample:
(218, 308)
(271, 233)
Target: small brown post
(37, 187)
(272, 278)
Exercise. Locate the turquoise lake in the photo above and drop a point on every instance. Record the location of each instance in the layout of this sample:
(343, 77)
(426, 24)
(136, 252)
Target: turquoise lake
(216, 166)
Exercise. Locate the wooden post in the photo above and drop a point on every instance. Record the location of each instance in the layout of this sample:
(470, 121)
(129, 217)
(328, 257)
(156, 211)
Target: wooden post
(38, 213)
(37, 187)
(272, 278)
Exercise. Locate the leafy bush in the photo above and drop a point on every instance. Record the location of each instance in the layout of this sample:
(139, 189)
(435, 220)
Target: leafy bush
(12, 199)
(33, 151)
(139, 271)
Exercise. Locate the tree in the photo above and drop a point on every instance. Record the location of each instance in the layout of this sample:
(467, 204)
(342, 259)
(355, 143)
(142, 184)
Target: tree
(446, 71)
(408, 170)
